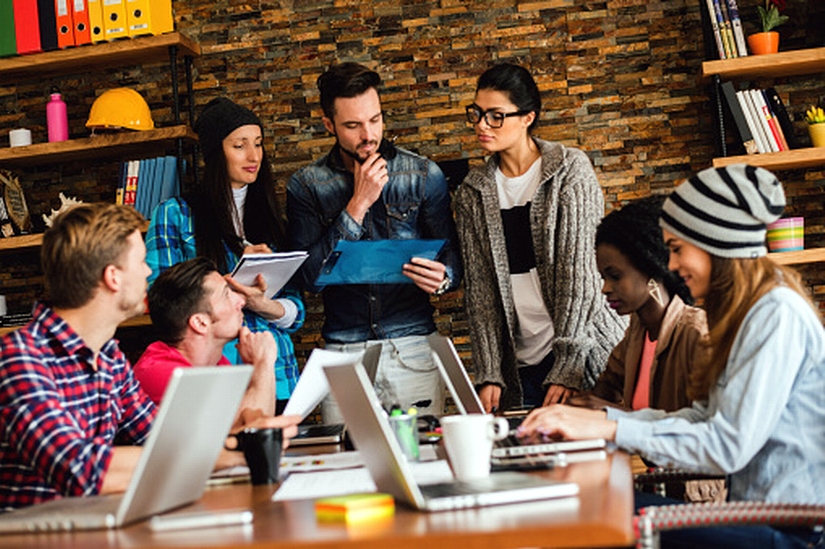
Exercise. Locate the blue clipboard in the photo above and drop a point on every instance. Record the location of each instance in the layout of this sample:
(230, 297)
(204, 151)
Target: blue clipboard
(374, 261)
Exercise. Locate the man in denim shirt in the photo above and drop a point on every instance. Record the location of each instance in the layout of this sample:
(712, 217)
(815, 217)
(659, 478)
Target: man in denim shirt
(367, 189)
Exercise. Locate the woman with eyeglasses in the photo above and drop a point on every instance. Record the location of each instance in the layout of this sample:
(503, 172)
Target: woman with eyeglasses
(539, 327)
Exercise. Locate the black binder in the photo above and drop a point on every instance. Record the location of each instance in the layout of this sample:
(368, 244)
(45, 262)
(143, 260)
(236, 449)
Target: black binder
(739, 118)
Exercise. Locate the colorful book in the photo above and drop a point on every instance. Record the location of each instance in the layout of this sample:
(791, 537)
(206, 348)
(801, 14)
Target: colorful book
(765, 117)
(734, 51)
(736, 24)
(722, 31)
(714, 24)
(781, 114)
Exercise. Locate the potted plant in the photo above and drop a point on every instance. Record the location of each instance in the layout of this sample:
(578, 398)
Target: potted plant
(767, 41)
(815, 117)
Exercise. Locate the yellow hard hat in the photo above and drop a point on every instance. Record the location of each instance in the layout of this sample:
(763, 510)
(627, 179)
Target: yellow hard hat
(120, 108)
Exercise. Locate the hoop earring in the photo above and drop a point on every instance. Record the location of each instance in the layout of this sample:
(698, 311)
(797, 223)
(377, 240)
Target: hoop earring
(655, 292)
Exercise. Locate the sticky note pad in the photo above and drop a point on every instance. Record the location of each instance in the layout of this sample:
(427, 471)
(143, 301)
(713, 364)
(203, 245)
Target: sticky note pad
(354, 508)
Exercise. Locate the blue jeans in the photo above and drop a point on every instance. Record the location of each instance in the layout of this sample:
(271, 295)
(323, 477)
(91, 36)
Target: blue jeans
(532, 381)
(730, 537)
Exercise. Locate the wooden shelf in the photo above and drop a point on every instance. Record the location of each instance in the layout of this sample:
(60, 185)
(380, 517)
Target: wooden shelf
(138, 321)
(786, 63)
(21, 242)
(143, 50)
(125, 144)
(785, 160)
(813, 255)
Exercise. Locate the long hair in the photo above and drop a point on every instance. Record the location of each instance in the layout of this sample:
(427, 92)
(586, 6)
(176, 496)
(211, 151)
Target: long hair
(735, 286)
(213, 209)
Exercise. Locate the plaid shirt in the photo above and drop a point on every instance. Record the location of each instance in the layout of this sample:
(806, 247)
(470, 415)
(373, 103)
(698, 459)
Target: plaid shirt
(58, 416)
(171, 239)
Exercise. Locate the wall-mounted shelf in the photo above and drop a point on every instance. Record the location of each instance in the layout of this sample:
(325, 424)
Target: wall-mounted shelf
(21, 242)
(138, 321)
(813, 255)
(785, 160)
(135, 51)
(111, 145)
(786, 63)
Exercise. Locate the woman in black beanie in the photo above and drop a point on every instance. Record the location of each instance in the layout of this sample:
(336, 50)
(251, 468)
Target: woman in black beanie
(233, 211)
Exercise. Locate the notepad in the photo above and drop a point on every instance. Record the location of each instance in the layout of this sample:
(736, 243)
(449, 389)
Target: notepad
(277, 269)
(374, 261)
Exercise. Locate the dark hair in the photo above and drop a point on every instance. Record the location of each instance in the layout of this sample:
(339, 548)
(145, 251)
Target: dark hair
(80, 244)
(213, 209)
(634, 231)
(345, 80)
(517, 83)
(176, 295)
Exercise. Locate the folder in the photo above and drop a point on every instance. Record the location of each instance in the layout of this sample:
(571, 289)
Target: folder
(149, 17)
(8, 42)
(26, 26)
(80, 18)
(97, 32)
(114, 19)
(171, 181)
(374, 261)
(48, 24)
(64, 23)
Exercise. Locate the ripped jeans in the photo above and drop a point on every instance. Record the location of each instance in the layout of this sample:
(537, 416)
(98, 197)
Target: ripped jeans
(406, 376)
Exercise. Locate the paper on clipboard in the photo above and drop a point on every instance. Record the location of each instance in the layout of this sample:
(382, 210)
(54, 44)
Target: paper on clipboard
(374, 261)
(277, 269)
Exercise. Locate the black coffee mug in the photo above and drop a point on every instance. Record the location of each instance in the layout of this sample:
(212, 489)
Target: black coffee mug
(262, 450)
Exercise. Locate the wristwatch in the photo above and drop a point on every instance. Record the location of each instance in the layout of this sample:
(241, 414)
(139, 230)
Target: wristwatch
(442, 287)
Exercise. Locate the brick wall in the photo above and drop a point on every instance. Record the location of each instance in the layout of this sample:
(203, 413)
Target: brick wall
(619, 80)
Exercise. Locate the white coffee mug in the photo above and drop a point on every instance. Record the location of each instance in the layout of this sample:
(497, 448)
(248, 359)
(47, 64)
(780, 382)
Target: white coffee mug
(469, 439)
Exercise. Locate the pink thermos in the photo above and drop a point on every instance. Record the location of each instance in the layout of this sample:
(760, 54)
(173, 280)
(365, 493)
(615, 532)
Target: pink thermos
(57, 120)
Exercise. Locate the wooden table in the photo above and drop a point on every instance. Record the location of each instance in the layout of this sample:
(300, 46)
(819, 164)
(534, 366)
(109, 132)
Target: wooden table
(599, 517)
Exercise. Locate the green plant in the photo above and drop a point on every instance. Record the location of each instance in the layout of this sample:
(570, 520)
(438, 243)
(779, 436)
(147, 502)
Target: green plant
(815, 115)
(769, 14)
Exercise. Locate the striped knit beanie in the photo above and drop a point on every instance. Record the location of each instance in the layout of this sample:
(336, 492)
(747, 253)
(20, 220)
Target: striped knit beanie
(725, 211)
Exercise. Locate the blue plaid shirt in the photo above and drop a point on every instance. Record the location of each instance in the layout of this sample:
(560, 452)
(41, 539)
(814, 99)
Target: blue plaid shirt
(171, 239)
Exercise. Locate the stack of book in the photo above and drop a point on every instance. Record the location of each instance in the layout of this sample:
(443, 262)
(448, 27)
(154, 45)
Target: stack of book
(761, 119)
(727, 28)
(146, 183)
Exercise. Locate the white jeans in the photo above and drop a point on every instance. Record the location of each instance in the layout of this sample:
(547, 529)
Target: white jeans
(406, 376)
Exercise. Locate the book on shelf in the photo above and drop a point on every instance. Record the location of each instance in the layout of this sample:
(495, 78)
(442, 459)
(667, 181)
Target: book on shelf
(739, 118)
(727, 30)
(781, 114)
(770, 129)
(773, 122)
(758, 128)
(736, 25)
(714, 24)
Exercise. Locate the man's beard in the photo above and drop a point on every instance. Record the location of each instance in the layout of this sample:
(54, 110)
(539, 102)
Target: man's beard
(352, 154)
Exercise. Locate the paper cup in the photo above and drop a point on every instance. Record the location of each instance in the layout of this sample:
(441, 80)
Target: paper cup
(787, 235)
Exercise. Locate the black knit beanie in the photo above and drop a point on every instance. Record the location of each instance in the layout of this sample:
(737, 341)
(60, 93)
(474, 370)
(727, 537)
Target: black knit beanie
(219, 118)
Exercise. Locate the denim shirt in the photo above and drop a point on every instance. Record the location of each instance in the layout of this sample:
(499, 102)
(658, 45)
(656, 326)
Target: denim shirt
(415, 203)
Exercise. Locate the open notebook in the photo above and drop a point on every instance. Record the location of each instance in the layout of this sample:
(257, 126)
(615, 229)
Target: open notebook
(467, 401)
(188, 433)
(373, 437)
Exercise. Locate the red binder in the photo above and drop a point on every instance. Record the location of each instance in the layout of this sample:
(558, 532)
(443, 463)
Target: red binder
(64, 24)
(27, 26)
(80, 17)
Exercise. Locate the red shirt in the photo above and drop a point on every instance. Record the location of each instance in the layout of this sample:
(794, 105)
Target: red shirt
(155, 366)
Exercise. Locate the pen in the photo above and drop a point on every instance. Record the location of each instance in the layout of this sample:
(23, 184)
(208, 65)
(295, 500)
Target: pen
(200, 519)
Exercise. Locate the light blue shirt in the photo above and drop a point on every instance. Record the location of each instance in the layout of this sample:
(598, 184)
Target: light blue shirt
(764, 422)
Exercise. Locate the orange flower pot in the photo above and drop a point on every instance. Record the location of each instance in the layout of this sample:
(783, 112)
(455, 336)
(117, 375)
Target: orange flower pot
(763, 42)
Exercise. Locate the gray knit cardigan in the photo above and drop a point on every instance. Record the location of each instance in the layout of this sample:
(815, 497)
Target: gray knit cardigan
(565, 210)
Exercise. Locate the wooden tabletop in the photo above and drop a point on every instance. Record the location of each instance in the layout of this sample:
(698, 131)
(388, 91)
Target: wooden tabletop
(600, 517)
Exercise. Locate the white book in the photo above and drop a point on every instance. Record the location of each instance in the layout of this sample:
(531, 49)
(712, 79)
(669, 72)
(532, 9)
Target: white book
(762, 139)
(277, 269)
(762, 107)
(755, 130)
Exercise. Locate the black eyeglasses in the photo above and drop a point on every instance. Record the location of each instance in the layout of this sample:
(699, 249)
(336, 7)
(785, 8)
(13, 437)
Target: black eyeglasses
(494, 119)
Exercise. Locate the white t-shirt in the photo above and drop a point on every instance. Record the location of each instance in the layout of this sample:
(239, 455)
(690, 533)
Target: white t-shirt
(534, 328)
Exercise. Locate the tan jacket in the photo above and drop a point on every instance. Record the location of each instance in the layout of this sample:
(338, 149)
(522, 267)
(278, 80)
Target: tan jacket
(677, 352)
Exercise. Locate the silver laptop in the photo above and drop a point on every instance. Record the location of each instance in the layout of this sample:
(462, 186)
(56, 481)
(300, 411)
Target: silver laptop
(188, 433)
(378, 447)
(309, 435)
(467, 401)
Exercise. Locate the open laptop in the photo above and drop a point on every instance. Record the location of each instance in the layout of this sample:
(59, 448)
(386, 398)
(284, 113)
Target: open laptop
(188, 433)
(309, 435)
(373, 437)
(467, 401)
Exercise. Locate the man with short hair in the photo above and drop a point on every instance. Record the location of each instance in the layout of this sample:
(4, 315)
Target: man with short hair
(66, 389)
(196, 312)
(367, 189)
